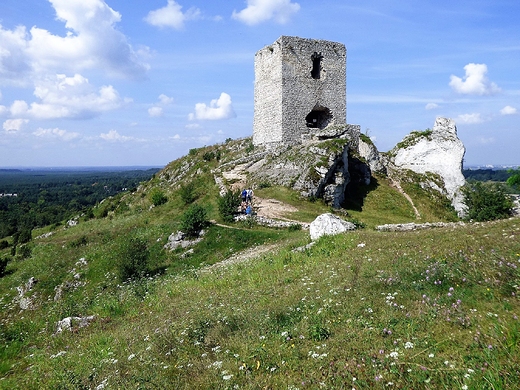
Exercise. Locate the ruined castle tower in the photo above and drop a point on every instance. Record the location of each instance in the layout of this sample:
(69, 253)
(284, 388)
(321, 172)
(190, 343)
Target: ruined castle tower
(300, 88)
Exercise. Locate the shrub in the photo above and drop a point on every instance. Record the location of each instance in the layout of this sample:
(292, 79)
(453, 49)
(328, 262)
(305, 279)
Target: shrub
(157, 197)
(187, 193)
(133, 257)
(295, 227)
(4, 244)
(228, 205)
(194, 220)
(3, 265)
(24, 251)
(208, 156)
(264, 184)
(486, 201)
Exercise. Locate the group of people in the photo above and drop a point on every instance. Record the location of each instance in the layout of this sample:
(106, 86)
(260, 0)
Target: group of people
(247, 201)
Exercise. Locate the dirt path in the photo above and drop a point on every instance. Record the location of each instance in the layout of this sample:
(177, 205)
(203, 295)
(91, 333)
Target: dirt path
(268, 208)
(397, 185)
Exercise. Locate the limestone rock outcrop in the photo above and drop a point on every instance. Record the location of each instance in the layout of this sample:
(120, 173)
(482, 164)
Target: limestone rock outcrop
(329, 224)
(438, 151)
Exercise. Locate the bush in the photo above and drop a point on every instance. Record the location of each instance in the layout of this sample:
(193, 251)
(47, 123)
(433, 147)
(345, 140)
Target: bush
(187, 193)
(157, 197)
(133, 258)
(228, 205)
(24, 251)
(194, 220)
(486, 201)
(4, 244)
(3, 265)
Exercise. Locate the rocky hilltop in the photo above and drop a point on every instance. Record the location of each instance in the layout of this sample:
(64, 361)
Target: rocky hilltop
(338, 159)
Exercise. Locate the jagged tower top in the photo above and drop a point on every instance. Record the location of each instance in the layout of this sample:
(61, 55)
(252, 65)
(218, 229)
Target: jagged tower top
(300, 88)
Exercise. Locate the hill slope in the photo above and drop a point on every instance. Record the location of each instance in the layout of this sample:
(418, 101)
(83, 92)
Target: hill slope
(367, 309)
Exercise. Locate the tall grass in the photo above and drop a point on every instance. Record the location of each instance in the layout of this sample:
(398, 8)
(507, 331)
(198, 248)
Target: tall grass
(428, 309)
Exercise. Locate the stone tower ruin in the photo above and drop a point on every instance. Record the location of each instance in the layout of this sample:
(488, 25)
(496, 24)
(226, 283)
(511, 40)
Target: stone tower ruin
(300, 89)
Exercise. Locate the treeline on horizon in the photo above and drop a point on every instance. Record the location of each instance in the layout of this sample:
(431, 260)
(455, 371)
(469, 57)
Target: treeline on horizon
(31, 199)
(488, 174)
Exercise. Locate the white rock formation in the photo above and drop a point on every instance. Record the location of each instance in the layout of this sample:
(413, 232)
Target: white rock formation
(329, 224)
(440, 152)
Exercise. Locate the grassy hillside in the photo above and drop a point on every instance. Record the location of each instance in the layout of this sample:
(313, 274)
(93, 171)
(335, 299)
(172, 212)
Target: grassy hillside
(364, 310)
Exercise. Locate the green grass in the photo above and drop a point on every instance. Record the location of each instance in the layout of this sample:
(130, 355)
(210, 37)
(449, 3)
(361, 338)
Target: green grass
(364, 310)
(419, 309)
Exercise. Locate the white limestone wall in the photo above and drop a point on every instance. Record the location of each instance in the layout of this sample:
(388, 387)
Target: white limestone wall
(442, 154)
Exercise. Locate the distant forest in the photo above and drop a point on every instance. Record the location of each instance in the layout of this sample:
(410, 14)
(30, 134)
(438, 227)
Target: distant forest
(486, 174)
(37, 198)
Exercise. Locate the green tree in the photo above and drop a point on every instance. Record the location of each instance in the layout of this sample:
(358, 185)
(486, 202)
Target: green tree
(228, 205)
(194, 220)
(514, 179)
(486, 201)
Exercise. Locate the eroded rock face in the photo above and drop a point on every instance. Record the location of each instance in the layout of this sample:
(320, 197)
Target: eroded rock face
(329, 224)
(439, 151)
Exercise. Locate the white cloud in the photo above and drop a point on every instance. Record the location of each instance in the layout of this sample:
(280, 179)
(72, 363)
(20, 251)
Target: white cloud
(14, 125)
(114, 136)
(220, 108)
(171, 15)
(431, 106)
(165, 100)
(3, 110)
(508, 110)
(193, 126)
(14, 61)
(470, 118)
(486, 141)
(475, 81)
(56, 133)
(72, 97)
(258, 11)
(92, 41)
(155, 111)
(19, 108)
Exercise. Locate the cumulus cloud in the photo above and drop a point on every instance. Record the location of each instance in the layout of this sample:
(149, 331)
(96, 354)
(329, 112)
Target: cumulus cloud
(165, 100)
(155, 111)
(470, 118)
(508, 110)
(14, 61)
(220, 108)
(258, 11)
(171, 16)
(56, 133)
(92, 41)
(14, 125)
(474, 82)
(114, 136)
(431, 106)
(19, 108)
(72, 97)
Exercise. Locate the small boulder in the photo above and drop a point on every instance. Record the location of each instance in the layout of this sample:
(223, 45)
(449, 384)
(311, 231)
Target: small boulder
(329, 224)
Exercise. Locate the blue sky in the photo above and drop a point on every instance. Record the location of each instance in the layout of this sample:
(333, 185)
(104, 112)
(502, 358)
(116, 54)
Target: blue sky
(118, 82)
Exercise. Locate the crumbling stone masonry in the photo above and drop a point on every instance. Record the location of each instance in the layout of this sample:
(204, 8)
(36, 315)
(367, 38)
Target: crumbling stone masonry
(300, 89)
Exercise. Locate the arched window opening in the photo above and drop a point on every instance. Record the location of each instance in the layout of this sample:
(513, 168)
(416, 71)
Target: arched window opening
(318, 118)
(316, 65)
